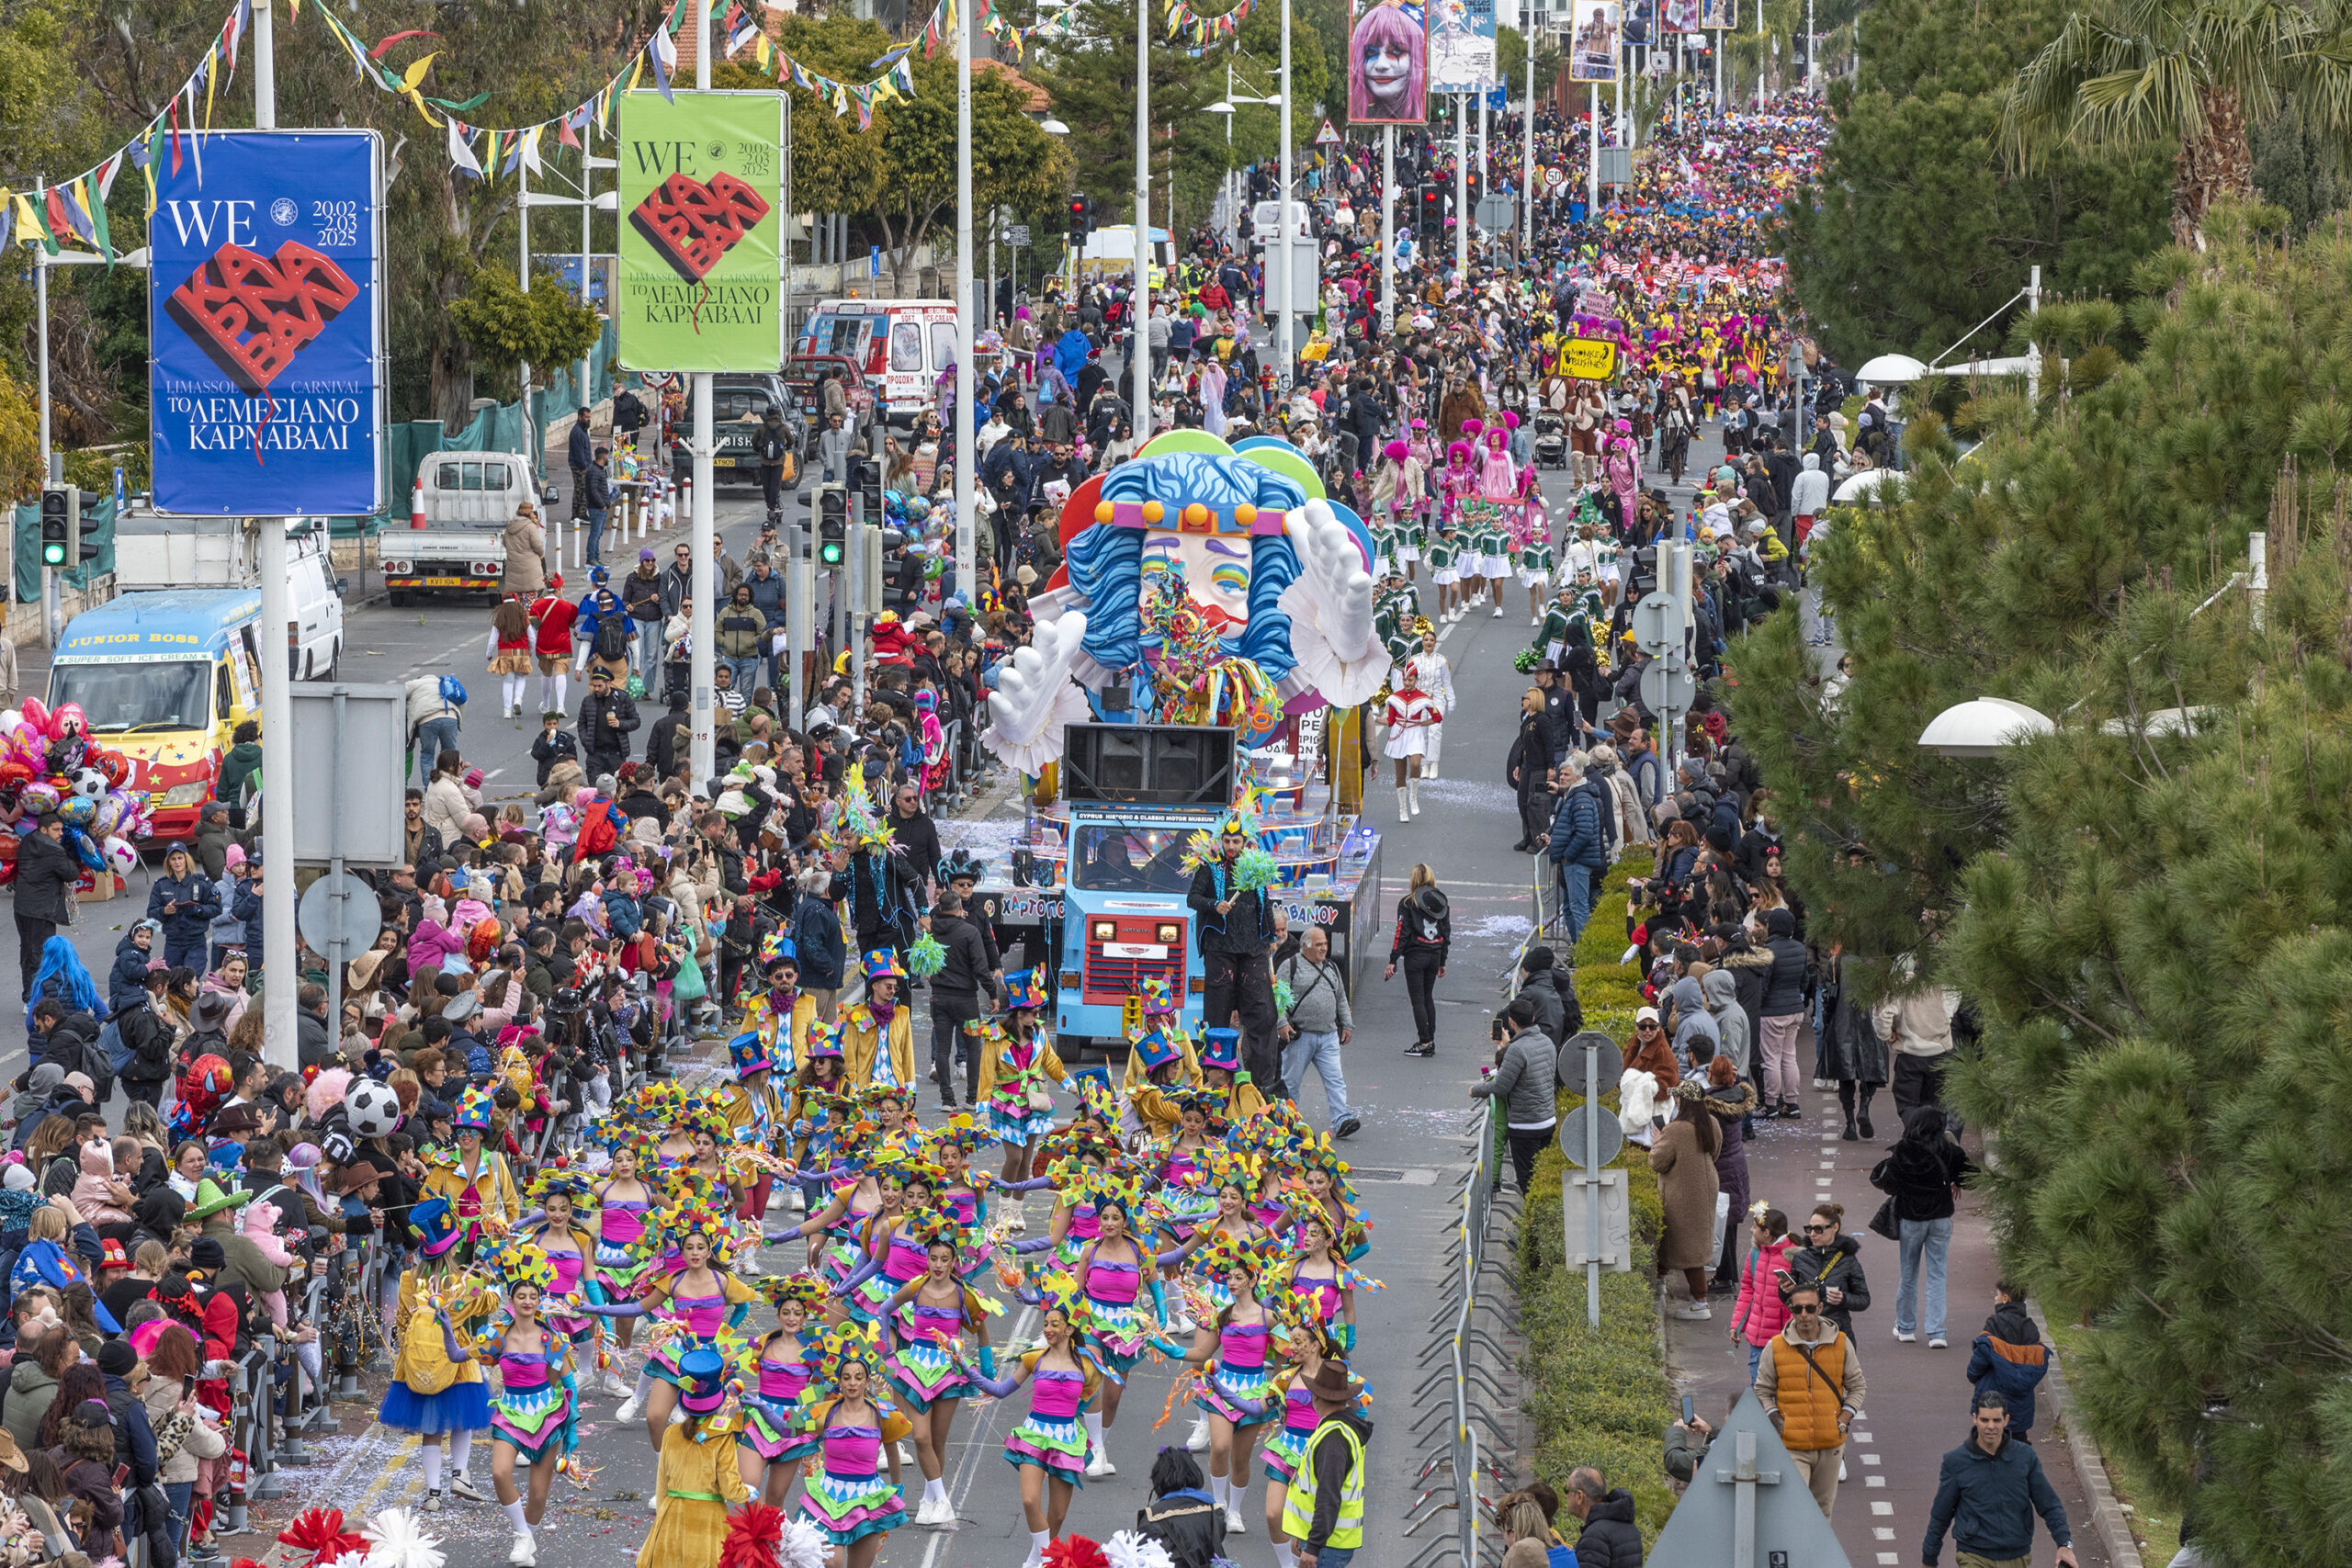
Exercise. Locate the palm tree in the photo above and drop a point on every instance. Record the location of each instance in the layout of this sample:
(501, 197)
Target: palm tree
(2184, 75)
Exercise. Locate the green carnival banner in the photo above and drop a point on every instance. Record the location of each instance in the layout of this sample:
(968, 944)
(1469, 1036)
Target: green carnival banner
(701, 197)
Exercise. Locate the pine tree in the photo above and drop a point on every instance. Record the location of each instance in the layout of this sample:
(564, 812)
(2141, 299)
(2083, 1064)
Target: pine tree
(2154, 929)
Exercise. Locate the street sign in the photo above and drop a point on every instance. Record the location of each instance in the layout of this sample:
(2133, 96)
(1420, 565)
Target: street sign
(266, 310)
(1327, 137)
(1589, 358)
(1496, 213)
(356, 918)
(1653, 622)
(1609, 1247)
(1556, 177)
(1748, 1504)
(1668, 691)
(1611, 1137)
(1608, 1063)
(1016, 233)
(345, 792)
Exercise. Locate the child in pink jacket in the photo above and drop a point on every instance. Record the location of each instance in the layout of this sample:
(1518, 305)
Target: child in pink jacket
(1759, 1313)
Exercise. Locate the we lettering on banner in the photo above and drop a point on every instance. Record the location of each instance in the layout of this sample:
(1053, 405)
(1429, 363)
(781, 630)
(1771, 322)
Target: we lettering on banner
(691, 225)
(252, 314)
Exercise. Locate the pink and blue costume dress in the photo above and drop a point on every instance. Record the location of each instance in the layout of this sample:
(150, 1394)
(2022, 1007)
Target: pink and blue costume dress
(1009, 1115)
(919, 1365)
(1299, 1421)
(877, 1279)
(534, 1412)
(620, 1224)
(774, 1424)
(570, 1267)
(1052, 1437)
(703, 1318)
(1235, 1386)
(848, 1499)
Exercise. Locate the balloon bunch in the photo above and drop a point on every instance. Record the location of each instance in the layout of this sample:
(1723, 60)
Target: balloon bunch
(48, 766)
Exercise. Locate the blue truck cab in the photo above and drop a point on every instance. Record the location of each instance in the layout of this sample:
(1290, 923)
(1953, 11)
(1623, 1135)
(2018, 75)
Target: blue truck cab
(1124, 917)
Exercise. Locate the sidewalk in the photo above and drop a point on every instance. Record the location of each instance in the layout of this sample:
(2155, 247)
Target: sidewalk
(1916, 1408)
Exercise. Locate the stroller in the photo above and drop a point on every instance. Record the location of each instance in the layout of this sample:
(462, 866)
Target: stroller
(1550, 441)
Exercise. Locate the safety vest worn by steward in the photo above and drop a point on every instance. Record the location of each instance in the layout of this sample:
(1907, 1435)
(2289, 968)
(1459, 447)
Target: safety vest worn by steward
(1298, 1504)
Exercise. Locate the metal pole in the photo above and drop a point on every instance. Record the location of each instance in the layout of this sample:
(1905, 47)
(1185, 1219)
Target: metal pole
(1677, 585)
(1527, 153)
(1593, 1192)
(523, 270)
(1462, 189)
(587, 207)
(859, 622)
(2033, 350)
(1387, 227)
(801, 593)
(704, 750)
(49, 613)
(279, 1037)
(1592, 145)
(1139, 298)
(1285, 349)
(967, 380)
(335, 874)
(1812, 49)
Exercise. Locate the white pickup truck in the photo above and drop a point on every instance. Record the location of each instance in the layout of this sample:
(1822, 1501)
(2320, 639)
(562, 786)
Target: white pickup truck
(469, 498)
(154, 554)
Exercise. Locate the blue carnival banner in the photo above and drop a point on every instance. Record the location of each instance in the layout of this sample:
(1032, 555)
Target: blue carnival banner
(265, 304)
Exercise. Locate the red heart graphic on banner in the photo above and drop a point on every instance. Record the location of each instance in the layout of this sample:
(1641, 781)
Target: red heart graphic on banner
(251, 314)
(692, 224)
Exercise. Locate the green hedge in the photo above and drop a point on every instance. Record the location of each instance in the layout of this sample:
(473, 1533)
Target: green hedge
(1597, 1398)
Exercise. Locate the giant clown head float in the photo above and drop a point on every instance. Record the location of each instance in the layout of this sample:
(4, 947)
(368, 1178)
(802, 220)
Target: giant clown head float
(1220, 580)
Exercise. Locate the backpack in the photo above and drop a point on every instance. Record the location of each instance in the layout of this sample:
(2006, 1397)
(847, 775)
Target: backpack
(768, 445)
(453, 691)
(429, 1369)
(612, 642)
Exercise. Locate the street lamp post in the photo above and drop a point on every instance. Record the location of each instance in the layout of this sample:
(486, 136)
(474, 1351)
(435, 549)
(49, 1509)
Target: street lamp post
(966, 381)
(1283, 345)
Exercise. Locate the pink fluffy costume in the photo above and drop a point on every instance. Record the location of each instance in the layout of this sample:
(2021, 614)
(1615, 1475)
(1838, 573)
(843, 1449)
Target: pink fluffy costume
(1621, 471)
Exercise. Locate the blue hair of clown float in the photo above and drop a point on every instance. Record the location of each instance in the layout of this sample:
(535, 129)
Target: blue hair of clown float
(1233, 497)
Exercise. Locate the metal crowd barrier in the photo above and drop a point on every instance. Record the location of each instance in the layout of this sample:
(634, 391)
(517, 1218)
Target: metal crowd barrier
(1449, 1427)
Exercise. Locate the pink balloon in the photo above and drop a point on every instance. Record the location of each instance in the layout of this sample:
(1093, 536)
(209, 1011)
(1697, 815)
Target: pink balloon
(36, 714)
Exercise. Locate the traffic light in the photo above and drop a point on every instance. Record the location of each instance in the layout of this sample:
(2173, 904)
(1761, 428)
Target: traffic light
(60, 517)
(1429, 217)
(832, 526)
(1081, 217)
(89, 522)
(866, 478)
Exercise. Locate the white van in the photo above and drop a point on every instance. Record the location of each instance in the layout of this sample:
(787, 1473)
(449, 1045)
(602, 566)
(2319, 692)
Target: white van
(900, 347)
(154, 554)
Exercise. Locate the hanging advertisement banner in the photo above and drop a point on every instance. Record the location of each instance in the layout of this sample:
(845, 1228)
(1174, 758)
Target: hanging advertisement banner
(702, 223)
(265, 320)
(1594, 57)
(1719, 16)
(1462, 47)
(1388, 66)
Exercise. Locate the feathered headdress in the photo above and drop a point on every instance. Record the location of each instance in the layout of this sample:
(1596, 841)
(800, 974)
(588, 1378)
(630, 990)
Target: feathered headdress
(1228, 1252)
(807, 1288)
(557, 1182)
(859, 822)
(841, 1344)
(517, 1263)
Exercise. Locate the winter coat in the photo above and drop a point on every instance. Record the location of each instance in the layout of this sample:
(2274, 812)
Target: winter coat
(1837, 1266)
(1915, 1022)
(1524, 1080)
(240, 773)
(1920, 1174)
(45, 870)
(1686, 1186)
(1988, 1502)
(1610, 1538)
(1731, 1106)
(1721, 991)
(127, 981)
(527, 556)
(197, 906)
(30, 1393)
(2010, 1358)
(1750, 970)
(817, 932)
(1785, 988)
(1558, 1012)
(1759, 1312)
(203, 1439)
(147, 1037)
(1851, 1051)
(1576, 838)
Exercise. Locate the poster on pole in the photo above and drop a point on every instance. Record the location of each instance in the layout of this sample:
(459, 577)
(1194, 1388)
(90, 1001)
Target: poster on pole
(1593, 57)
(266, 322)
(1388, 66)
(1718, 16)
(702, 221)
(1461, 46)
(1678, 17)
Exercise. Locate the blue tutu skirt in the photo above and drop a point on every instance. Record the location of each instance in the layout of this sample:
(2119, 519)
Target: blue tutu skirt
(460, 1407)
(849, 1507)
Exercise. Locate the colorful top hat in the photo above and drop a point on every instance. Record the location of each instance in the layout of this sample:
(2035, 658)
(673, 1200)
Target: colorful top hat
(824, 1040)
(1025, 991)
(882, 964)
(702, 1389)
(1155, 1048)
(751, 1053)
(1222, 1049)
(519, 1263)
(777, 947)
(473, 1111)
(436, 1225)
(1158, 995)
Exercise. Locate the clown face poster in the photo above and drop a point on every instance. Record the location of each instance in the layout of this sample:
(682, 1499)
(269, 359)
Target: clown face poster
(701, 202)
(1388, 66)
(1461, 46)
(265, 310)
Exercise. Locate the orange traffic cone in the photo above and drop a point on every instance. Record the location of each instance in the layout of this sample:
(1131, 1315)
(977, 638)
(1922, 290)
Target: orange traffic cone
(417, 503)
